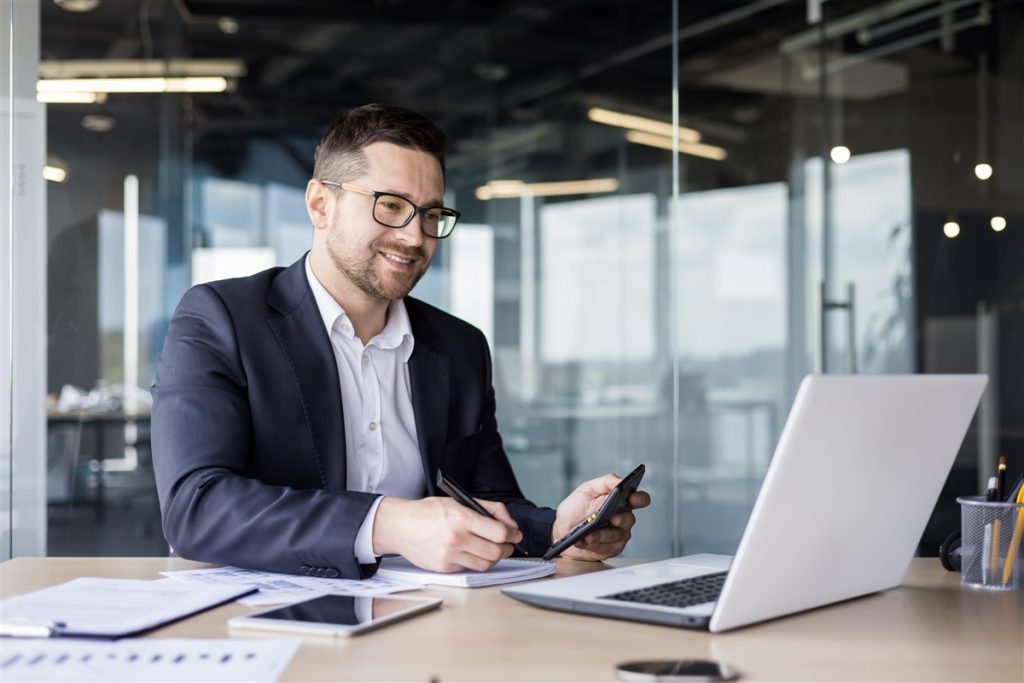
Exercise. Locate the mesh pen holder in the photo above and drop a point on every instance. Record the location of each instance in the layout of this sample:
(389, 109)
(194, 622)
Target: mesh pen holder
(992, 544)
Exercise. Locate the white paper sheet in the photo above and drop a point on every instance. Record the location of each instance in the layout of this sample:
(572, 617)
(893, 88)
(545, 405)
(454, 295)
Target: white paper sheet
(157, 659)
(110, 607)
(277, 588)
(507, 570)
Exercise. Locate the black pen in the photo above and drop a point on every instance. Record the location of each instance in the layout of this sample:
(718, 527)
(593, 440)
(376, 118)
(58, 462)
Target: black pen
(458, 493)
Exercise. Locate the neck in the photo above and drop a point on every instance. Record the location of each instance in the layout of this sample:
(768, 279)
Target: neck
(367, 314)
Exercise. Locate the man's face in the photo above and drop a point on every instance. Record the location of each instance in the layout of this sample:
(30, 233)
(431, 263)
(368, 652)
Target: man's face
(384, 263)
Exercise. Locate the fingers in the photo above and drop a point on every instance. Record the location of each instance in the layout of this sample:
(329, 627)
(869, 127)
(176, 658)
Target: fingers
(639, 499)
(499, 511)
(500, 530)
(599, 486)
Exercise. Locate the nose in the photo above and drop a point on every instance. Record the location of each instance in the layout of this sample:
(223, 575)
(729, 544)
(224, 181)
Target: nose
(412, 232)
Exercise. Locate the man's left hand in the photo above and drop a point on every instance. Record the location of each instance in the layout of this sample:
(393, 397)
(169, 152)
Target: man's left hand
(586, 500)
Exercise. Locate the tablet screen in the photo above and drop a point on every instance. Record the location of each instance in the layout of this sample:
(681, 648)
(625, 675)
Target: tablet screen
(338, 614)
(344, 610)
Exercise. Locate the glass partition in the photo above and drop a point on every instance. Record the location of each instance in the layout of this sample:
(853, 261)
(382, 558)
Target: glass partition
(850, 194)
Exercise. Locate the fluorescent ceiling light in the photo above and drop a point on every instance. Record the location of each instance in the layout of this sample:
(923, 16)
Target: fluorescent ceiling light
(135, 68)
(504, 189)
(696, 149)
(620, 120)
(55, 174)
(134, 85)
(58, 97)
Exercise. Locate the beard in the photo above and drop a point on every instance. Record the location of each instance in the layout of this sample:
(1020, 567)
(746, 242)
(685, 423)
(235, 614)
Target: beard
(370, 276)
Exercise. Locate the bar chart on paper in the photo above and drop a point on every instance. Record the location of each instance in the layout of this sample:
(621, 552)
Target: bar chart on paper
(170, 659)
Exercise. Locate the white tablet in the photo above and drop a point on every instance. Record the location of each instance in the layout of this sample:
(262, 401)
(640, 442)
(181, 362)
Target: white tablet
(335, 615)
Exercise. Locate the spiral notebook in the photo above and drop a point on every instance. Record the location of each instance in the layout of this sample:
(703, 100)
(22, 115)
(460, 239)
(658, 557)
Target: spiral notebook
(505, 571)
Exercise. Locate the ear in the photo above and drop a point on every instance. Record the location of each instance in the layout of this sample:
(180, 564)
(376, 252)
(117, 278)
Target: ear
(316, 204)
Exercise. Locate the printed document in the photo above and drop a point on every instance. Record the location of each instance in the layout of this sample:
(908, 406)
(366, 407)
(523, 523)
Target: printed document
(276, 588)
(150, 659)
(108, 607)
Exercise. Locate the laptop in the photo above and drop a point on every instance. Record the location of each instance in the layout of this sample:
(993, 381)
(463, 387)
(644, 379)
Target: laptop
(855, 476)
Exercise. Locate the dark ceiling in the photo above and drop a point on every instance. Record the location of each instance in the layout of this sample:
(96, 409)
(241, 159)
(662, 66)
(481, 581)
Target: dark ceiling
(498, 75)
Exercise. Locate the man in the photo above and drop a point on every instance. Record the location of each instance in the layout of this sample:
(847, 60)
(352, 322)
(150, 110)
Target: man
(300, 414)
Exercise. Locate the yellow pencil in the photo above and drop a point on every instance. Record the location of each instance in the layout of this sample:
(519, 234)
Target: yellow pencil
(1018, 533)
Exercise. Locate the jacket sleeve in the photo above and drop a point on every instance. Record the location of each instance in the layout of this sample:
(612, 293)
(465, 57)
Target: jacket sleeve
(202, 441)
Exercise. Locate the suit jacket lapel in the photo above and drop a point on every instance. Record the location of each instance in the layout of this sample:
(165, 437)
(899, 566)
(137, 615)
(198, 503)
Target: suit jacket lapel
(430, 377)
(307, 348)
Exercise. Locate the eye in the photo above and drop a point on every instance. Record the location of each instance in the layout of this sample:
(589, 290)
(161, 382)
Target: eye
(432, 216)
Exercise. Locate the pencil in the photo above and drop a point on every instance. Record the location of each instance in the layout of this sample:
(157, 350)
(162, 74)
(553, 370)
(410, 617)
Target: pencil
(1018, 533)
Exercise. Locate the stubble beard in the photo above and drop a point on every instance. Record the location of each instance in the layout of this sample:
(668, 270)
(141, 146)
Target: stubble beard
(365, 274)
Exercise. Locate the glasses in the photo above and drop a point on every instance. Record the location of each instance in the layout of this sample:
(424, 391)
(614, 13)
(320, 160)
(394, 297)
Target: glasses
(395, 211)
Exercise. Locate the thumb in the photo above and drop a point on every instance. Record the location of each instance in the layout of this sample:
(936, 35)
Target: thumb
(599, 486)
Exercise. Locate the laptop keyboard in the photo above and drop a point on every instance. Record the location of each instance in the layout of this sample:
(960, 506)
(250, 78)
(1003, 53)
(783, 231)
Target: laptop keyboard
(682, 593)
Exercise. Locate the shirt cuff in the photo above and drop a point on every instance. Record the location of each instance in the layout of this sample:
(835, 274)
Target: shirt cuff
(364, 539)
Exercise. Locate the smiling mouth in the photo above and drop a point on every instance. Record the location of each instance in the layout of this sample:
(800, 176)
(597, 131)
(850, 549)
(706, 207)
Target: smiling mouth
(396, 259)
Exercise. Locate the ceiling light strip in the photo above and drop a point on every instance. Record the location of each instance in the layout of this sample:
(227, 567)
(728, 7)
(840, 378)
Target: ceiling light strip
(136, 68)
(695, 149)
(505, 189)
(640, 123)
(133, 85)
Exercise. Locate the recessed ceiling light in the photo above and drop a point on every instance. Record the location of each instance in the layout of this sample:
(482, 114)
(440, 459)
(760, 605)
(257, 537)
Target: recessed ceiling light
(951, 229)
(77, 5)
(998, 223)
(983, 171)
(56, 170)
(840, 154)
(98, 123)
(228, 25)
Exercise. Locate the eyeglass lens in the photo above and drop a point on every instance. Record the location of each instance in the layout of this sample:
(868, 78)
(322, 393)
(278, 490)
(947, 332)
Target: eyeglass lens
(396, 212)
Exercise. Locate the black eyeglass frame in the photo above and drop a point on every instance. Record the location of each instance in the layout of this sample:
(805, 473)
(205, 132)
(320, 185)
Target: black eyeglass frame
(421, 210)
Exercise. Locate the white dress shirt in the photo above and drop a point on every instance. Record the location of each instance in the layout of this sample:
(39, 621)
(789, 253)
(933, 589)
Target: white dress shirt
(382, 451)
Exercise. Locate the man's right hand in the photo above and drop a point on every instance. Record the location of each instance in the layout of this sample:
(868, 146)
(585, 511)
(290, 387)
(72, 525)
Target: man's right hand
(442, 535)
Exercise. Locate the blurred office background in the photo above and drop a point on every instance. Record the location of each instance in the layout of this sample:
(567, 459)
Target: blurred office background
(844, 193)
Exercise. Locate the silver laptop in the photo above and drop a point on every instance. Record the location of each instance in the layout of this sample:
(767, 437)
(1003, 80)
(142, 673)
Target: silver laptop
(854, 478)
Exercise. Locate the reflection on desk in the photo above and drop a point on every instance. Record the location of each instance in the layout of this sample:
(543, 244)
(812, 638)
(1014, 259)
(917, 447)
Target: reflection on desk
(929, 629)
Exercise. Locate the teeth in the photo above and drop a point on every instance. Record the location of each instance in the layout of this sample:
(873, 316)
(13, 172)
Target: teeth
(398, 259)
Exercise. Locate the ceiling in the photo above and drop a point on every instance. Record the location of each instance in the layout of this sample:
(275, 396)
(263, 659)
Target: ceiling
(502, 77)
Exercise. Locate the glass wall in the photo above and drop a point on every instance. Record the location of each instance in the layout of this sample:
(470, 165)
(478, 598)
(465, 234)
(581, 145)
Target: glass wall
(642, 305)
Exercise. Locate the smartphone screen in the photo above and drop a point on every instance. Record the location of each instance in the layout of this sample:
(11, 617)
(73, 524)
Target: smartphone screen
(675, 670)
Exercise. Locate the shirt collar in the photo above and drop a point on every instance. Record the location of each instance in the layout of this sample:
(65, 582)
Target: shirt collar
(397, 332)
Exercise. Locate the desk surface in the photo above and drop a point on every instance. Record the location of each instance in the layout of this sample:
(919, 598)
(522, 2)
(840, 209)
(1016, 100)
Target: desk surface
(929, 629)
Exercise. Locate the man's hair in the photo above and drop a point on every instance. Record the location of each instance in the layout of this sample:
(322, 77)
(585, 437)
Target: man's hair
(340, 157)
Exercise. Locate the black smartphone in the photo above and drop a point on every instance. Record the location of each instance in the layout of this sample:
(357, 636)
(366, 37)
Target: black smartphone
(676, 670)
(616, 501)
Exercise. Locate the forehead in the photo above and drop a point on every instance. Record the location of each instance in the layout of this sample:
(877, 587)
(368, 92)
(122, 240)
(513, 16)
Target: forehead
(411, 172)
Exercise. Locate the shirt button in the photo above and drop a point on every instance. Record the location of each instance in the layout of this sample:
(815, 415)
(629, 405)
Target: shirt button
(347, 329)
(373, 426)
(366, 360)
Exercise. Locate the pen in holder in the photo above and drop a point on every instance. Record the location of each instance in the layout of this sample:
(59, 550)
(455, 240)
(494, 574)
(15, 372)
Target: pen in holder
(992, 546)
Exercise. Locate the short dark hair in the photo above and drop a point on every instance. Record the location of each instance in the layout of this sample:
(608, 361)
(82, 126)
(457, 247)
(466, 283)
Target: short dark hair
(339, 156)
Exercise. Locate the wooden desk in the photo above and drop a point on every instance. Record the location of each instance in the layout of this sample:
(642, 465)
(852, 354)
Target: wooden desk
(927, 630)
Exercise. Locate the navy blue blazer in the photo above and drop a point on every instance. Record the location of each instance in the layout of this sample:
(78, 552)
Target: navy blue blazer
(248, 435)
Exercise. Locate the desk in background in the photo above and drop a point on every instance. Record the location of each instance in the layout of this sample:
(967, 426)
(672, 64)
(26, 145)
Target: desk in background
(929, 629)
